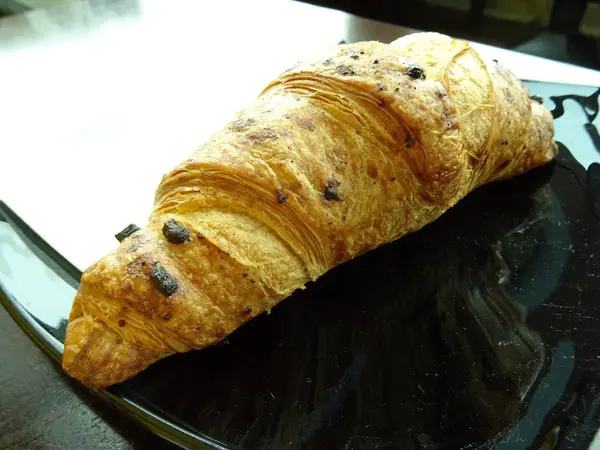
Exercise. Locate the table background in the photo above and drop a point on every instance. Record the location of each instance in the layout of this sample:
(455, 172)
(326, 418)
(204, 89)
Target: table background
(132, 91)
(41, 409)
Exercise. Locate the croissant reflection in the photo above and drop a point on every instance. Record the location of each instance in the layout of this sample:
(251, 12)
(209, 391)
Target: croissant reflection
(417, 343)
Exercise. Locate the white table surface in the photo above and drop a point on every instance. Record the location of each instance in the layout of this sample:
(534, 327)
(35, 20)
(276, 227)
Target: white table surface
(96, 106)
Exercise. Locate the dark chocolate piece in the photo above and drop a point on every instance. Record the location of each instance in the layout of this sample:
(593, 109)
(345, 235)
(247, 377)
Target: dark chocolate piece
(537, 98)
(330, 190)
(345, 70)
(122, 323)
(167, 317)
(415, 71)
(451, 122)
(126, 232)
(248, 309)
(375, 61)
(175, 233)
(163, 281)
(281, 197)
(342, 42)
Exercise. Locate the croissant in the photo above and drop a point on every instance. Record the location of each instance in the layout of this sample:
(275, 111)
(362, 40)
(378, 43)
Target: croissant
(341, 154)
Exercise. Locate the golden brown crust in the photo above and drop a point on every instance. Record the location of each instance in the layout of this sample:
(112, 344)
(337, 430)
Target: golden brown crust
(504, 131)
(337, 156)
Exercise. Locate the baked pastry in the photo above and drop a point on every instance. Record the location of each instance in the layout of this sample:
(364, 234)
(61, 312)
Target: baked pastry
(339, 155)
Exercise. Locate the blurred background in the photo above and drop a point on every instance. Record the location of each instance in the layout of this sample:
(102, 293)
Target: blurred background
(563, 30)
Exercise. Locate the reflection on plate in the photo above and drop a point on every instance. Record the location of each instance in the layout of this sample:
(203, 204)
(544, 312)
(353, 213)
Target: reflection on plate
(480, 331)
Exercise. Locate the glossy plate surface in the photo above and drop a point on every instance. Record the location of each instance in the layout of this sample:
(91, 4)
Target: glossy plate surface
(480, 331)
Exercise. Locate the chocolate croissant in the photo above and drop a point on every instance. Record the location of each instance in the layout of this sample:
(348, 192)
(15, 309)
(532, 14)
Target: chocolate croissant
(339, 155)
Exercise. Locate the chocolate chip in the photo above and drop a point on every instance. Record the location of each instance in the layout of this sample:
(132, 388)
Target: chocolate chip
(451, 122)
(248, 309)
(354, 56)
(244, 274)
(126, 232)
(375, 61)
(408, 141)
(121, 323)
(252, 281)
(504, 142)
(281, 197)
(328, 62)
(163, 281)
(342, 42)
(415, 71)
(380, 86)
(167, 317)
(175, 233)
(538, 99)
(330, 190)
(345, 70)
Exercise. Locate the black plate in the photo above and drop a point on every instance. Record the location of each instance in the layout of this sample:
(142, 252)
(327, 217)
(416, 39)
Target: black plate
(480, 331)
